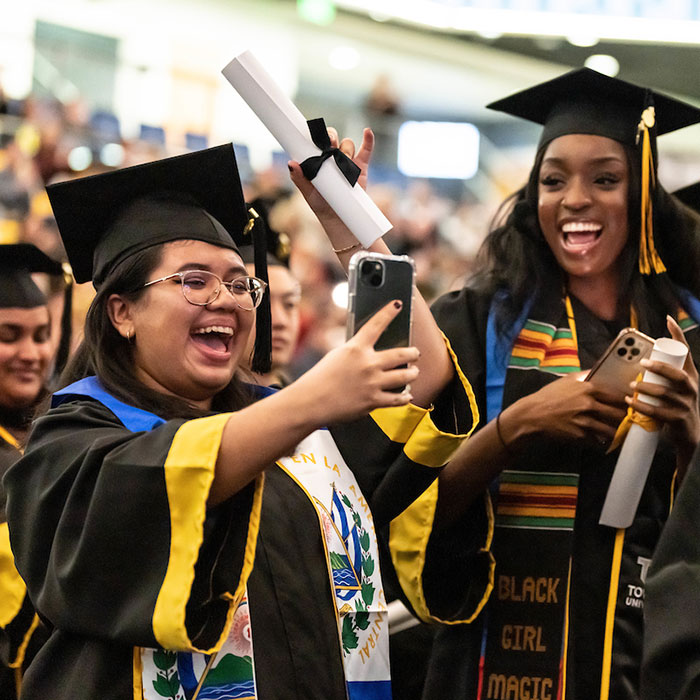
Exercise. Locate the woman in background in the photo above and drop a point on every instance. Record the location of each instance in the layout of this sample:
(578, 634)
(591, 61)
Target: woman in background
(27, 352)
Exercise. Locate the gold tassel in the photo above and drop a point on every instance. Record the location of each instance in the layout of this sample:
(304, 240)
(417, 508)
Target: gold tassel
(632, 416)
(648, 256)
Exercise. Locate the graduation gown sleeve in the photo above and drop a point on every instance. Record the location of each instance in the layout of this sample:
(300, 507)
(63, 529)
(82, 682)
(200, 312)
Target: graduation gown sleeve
(447, 575)
(404, 500)
(112, 533)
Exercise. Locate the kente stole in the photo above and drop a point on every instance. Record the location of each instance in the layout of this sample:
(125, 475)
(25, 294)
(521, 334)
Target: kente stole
(525, 641)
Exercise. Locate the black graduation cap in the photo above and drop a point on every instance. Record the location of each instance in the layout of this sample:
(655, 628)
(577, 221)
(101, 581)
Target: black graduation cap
(584, 101)
(105, 218)
(17, 263)
(690, 196)
(18, 290)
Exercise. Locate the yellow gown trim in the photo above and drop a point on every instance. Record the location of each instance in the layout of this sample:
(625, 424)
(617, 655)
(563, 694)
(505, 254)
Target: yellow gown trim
(189, 472)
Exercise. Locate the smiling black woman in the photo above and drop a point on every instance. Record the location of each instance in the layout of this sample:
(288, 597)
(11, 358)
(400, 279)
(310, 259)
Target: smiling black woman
(590, 245)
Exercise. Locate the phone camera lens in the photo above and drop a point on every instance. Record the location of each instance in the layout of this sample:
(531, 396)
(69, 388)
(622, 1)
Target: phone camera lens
(621, 352)
(635, 351)
(629, 342)
(372, 272)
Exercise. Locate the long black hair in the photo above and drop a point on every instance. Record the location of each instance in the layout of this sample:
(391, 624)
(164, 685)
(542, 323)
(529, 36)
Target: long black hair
(106, 354)
(516, 261)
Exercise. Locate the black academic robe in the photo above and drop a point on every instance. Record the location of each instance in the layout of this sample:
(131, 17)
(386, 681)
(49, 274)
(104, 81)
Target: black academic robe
(448, 560)
(671, 661)
(112, 534)
(20, 632)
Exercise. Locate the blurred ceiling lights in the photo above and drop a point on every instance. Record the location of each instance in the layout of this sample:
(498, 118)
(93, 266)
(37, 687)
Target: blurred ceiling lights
(344, 58)
(603, 63)
(667, 21)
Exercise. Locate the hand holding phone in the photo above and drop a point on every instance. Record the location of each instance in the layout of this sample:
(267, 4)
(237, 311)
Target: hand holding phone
(619, 364)
(374, 280)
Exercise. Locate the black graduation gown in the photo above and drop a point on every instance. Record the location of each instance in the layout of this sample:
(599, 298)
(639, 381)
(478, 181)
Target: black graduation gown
(20, 632)
(671, 661)
(454, 668)
(111, 533)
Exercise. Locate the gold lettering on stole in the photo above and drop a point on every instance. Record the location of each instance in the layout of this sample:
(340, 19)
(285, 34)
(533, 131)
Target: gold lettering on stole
(529, 590)
(522, 638)
(328, 466)
(501, 687)
(370, 644)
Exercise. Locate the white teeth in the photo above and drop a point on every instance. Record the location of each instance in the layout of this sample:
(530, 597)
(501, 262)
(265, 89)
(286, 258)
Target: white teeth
(226, 330)
(580, 227)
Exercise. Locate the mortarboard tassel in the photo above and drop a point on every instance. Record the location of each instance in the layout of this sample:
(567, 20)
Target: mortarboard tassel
(648, 256)
(66, 321)
(262, 353)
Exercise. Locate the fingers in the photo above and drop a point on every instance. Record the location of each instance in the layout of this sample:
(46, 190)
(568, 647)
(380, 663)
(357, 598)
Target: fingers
(375, 326)
(663, 369)
(333, 136)
(675, 330)
(366, 147)
(603, 433)
(299, 179)
(394, 398)
(347, 146)
(388, 359)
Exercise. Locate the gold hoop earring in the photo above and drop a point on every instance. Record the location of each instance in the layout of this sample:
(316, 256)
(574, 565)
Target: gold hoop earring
(128, 336)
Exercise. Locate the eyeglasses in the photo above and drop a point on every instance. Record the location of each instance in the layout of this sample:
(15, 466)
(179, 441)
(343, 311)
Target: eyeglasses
(201, 287)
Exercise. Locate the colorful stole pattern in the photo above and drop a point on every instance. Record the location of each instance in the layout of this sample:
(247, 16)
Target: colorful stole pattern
(547, 348)
(226, 675)
(526, 622)
(523, 651)
(353, 563)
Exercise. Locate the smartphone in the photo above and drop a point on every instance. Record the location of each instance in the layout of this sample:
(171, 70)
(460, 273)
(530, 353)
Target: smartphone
(619, 364)
(375, 279)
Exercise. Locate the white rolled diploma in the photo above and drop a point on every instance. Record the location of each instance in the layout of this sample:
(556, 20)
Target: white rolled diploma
(638, 449)
(287, 124)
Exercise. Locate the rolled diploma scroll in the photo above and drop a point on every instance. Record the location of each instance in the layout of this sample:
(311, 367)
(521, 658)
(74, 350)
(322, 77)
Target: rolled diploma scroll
(287, 124)
(638, 449)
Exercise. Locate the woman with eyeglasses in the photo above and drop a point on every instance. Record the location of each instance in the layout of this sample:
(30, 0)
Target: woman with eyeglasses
(182, 533)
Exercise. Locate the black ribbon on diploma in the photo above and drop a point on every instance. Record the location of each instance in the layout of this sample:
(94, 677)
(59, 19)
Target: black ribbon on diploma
(311, 166)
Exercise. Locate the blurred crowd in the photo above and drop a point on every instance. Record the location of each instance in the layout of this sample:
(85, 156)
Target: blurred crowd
(44, 141)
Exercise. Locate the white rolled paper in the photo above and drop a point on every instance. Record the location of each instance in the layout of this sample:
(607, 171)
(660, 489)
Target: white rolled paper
(287, 124)
(639, 447)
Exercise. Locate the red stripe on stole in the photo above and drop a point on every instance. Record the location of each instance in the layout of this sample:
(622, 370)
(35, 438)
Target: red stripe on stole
(558, 501)
(559, 352)
(531, 344)
(556, 505)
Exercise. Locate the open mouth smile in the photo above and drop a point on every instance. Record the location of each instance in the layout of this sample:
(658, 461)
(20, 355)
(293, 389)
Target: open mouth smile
(215, 338)
(580, 236)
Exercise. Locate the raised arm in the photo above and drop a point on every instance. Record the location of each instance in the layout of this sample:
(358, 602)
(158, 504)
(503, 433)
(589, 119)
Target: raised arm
(347, 383)
(434, 362)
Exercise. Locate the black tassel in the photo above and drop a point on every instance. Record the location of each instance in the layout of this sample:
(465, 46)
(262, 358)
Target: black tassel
(262, 354)
(66, 324)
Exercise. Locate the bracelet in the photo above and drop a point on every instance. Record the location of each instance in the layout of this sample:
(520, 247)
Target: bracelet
(347, 248)
(500, 436)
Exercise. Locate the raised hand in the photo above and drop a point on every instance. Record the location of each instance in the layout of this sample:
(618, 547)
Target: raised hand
(339, 234)
(677, 405)
(353, 379)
